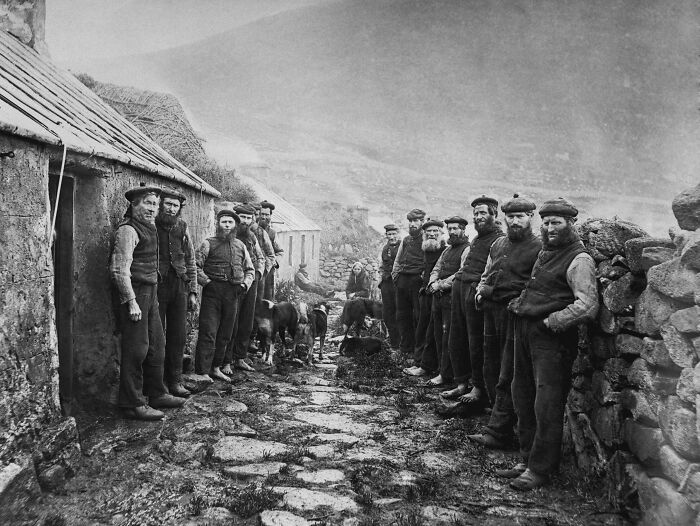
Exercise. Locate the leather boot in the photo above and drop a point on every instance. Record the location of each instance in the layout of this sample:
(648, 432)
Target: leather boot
(529, 480)
(488, 440)
(142, 412)
(179, 390)
(167, 400)
(513, 472)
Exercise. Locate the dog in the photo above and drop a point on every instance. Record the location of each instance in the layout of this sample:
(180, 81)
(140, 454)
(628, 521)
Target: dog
(355, 310)
(313, 323)
(352, 346)
(273, 319)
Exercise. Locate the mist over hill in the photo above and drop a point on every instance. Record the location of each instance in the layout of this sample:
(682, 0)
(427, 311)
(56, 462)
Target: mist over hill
(392, 102)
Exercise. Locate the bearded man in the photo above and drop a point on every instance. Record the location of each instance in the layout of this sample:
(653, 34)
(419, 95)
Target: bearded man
(507, 271)
(425, 352)
(265, 221)
(406, 274)
(177, 290)
(560, 295)
(134, 271)
(226, 272)
(466, 340)
(237, 349)
(440, 286)
(386, 285)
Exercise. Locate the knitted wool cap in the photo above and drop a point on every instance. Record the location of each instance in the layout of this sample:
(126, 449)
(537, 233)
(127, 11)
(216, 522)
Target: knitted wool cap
(432, 222)
(173, 193)
(558, 207)
(267, 204)
(137, 191)
(390, 227)
(416, 213)
(518, 204)
(244, 209)
(456, 219)
(229, 213)
(485, 200)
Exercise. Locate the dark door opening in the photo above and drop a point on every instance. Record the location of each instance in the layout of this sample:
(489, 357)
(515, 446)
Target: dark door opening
(62, 250)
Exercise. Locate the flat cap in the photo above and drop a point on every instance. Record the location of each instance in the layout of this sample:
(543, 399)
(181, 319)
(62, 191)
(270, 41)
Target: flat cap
(230, 213)
(518, 204)
(267, 204)
(432, 222)
(456, 219)
(558, 207)
(390, 227)
(244, 209)
(416, 213)
(302, 265)
(485, 200)
(174, 193)
(256, 206)
(142, 189)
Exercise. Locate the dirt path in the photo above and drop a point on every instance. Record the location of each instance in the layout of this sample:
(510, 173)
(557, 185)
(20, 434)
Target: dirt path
(347, 442)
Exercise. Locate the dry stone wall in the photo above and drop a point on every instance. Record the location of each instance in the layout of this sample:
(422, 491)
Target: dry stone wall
(335, 269)
(634, 409)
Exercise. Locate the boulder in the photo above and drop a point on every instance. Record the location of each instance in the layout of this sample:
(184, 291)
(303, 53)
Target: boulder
(18, 486)
(652, 256)
(661, 504)
(643, 441)
(686, 208)
(673, 466)
(652, 310)
(685, 388)
(623, 293)
(281, 518)
(606, 238)
(52, 478)
(644, 406)
(627, 344)
(696, 378)
(690, 254)
(679, 428)
(680, 350)
(615, 370)
(634, 248)
(580, 401)
(607, 321)
(607, 423)
(602, 389)
(696, 345)
(196, 382)
(603, 346)
(642, 375)
(687, 320)
(656, 353)
(674, 280)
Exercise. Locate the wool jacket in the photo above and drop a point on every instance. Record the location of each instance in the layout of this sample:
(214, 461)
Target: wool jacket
(359, 284)
(134, 257)
(255, 252)
(266, 247)
(508, 268)
(449, 262)
(478, 254)
(409, 257)
(176, 253)
(224, 259)
(388, 257)
(430, 258)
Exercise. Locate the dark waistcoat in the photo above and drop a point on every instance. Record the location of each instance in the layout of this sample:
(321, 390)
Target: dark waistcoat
(411, 261)
(225, 260)
(250, 245)
(512, 264)
(388, 256)
(144, 267)
(171, 249)
(429, 260)
(548, 290)
(452, 259)
(478, 254)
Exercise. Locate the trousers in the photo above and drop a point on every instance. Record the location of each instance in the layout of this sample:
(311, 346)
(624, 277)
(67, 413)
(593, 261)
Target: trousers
(407, 310)
(237, 348)
(466, 340)
(442, 306)
(217, 315)
(389, 310)
(143, 350)
(269, 286)
(499, 325)
(172, 301)
(541, 382)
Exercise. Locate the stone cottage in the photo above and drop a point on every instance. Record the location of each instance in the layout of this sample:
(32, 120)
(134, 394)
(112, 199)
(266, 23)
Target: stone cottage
(66, 159)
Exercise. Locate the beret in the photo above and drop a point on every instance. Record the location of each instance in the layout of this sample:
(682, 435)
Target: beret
(267, 204)
(244, 209)
(456, 219)
(518, 204)
(256, 206)
(390, 227)
(416, 213)
(229, 213)
(432, 222)
(484, 200)
(302, 265)
(173, 193)
(558, 207)
(136, 191)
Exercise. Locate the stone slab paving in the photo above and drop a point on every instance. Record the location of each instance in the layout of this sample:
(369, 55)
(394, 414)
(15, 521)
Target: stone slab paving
(342, 438)
(233, 407)
(260, 469)
(305, 499)
(323, 451)
(334, 421)
(322, 476)
(242, 449)
(281, 518)
(322, 399)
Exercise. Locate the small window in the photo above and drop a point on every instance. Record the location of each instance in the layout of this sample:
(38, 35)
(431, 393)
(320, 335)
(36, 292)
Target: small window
(303, 248)
(291, 240)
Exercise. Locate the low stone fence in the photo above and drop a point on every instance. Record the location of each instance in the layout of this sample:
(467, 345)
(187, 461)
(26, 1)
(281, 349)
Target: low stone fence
(634, 409)
(335, 269)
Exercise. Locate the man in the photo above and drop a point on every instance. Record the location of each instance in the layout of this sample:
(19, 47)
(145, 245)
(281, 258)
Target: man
(134, 272)
(237, 349)
(560, 294)
(266, 223)
(425, 355)
(386, 285)
(302, 280)
(177, 291)
(226, 272)
(440, 285)
(406, 274)
(467, 323)
(270, 262)
(507, 272)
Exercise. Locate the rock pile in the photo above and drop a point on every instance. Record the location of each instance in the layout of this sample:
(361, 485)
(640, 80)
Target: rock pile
(634, 407)
(335, 269)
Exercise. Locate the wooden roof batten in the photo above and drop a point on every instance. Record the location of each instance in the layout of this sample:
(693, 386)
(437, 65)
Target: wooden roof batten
(41, 102)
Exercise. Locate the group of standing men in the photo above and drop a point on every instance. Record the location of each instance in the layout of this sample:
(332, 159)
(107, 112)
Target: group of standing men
(155, 271)
(496, 318)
